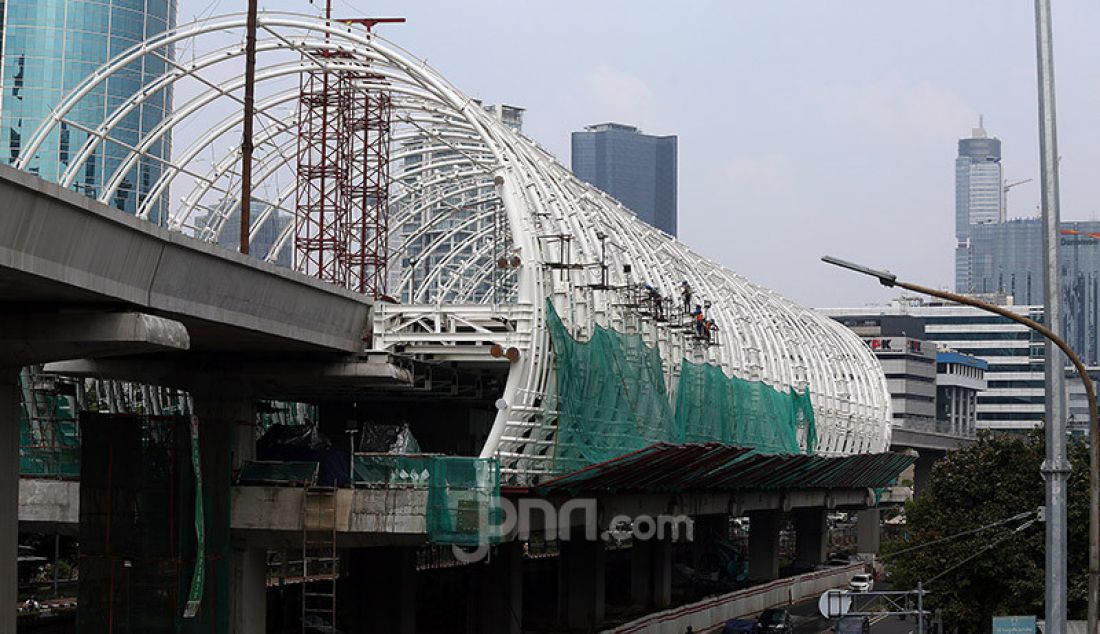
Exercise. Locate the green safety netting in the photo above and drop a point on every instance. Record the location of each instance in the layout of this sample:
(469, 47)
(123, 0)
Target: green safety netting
(50, 444)
(712, 407)
(464, 501)
(612, 399)
(611, 396)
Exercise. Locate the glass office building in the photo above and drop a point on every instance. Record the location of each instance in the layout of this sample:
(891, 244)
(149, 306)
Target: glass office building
(1007, 258)
(638, 170)
(49, 47)
(979, 196)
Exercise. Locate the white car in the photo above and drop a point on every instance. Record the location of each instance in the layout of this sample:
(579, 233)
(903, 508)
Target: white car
(861, 583)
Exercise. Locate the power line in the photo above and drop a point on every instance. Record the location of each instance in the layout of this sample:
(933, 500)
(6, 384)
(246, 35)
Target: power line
(972, 531)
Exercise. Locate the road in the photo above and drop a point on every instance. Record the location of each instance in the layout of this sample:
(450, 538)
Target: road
(807, 620)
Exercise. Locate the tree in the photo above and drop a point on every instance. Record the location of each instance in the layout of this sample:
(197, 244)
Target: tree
(993, 479)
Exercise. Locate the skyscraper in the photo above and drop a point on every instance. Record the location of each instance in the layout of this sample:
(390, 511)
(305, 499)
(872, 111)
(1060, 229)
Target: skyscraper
(1007, 258)
(639, 170)
(979, 196)
(49, 47)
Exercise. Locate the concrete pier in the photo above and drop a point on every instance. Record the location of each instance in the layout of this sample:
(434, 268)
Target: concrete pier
(868, 531)
(249, 590)
(811, 537)
(384, 582)
(764, 544)
(581, 583)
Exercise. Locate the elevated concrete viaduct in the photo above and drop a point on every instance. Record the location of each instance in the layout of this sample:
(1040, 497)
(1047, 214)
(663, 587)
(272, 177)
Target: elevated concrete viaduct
(79, 279)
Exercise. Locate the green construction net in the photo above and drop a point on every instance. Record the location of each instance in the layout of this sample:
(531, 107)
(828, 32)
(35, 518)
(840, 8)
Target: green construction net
(712, 407)
(612, 399)
(464, 501)
(49, 443)
(611, 396)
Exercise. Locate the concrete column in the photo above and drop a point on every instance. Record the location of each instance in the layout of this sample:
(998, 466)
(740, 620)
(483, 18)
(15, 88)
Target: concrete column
(651, 572)
(708, 530)
(641, 572)
(383, 589)
(231, 405)
(9, 495)
(581, 583)
(501, 588)
(922, 470)
(811, 537)
(868, 531)
(764, 544)
(249, 591)
(662, 573)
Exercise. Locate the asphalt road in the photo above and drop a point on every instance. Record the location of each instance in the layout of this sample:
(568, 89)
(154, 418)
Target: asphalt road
(807, 620)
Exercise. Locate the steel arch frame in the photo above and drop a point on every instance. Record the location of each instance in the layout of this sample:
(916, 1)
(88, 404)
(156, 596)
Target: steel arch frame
(450, 153)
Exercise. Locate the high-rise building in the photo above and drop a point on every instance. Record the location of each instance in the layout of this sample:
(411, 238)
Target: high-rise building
(1013, 353)
(979, 196)
(49, 47)
(639, 170)
(1007, 258)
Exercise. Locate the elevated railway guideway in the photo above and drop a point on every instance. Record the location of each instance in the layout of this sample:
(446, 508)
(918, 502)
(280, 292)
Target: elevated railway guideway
(492, 254)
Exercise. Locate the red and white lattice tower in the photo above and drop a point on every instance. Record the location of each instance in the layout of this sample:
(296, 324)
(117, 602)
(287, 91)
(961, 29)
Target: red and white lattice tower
(342, 219)
(368, 117)
(320, 237)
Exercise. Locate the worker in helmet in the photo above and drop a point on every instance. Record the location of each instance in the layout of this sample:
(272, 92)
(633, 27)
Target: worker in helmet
(685, 295)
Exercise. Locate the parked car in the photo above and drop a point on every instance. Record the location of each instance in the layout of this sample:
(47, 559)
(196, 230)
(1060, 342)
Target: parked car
(739, 626)
(862, 582)
(853, 625)
(774, 620)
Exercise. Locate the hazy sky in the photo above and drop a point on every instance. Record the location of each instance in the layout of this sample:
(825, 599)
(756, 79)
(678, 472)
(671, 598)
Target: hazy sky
(805, 127)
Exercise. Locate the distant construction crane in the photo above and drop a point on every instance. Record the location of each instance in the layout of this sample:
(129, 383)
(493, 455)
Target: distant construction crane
(1004, 191)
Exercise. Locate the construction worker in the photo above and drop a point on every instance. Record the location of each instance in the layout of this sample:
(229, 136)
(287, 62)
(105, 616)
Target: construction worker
(685, 295)
(711, 328)
(655, 298)
(700, 323)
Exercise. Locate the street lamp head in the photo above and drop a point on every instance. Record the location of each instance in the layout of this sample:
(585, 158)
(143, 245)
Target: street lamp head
(885, 278)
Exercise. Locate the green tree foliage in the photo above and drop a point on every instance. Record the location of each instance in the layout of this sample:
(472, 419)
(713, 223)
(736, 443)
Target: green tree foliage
(991, 480)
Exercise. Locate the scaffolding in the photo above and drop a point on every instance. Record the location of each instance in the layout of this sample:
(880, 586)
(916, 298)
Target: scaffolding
(345, 119)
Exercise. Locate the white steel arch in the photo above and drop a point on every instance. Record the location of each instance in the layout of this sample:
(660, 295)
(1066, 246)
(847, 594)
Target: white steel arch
(468, 192)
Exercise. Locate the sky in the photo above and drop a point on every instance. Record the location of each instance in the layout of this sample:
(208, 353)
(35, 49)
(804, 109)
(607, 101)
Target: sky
(805, 127)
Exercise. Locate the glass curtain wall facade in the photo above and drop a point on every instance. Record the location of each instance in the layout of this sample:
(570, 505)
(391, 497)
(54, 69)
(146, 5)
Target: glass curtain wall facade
(49, 47)
(1007, 258)
(638, 170)
(979, 197)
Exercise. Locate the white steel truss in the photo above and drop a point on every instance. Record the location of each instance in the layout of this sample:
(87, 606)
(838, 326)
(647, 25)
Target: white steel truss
(485, 229)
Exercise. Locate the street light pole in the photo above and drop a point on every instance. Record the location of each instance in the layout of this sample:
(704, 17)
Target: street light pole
(1056, 468)
(889, 279)
(249, 114)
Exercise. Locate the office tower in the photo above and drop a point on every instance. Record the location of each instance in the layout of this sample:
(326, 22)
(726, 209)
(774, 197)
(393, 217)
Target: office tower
(1013, 354)
(979, 196)
(1007, 258)
(639, 170)
(49, 47)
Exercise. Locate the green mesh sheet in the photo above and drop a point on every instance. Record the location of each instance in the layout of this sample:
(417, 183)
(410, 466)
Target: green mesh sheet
(712, 407)
(612, 400)
(611, 396)
(50, 446)
(464, 501)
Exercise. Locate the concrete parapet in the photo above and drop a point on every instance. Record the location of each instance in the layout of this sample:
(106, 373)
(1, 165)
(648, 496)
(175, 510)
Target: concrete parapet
(711, 613)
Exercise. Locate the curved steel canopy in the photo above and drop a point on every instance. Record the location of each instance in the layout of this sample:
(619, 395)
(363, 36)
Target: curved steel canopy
(467, 192)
